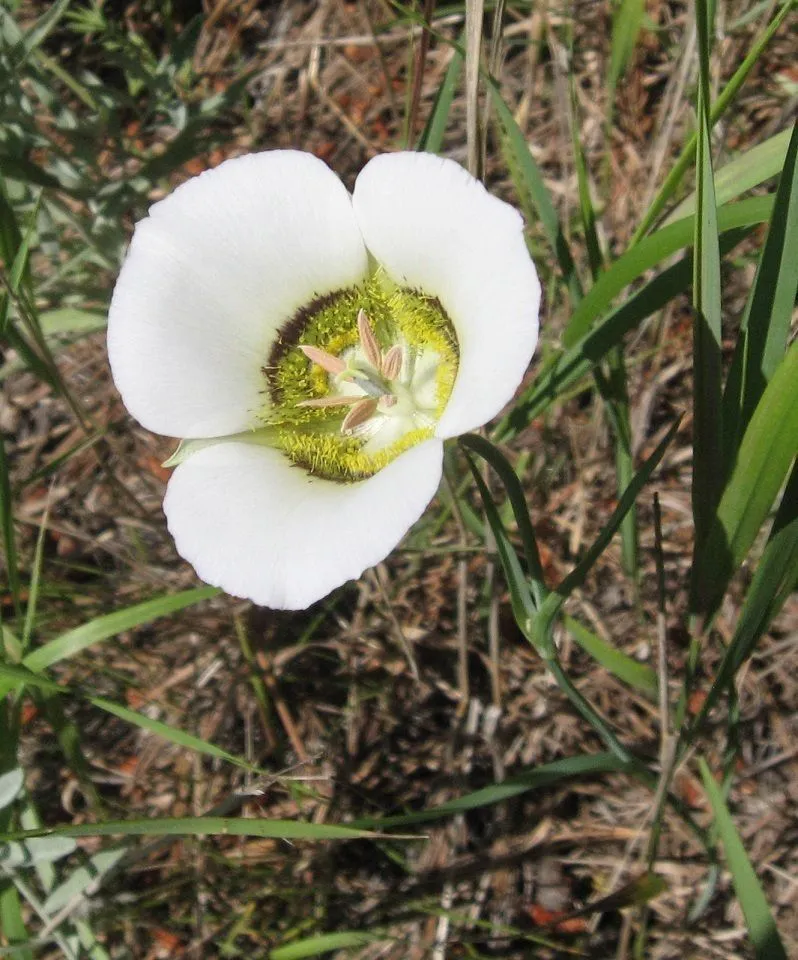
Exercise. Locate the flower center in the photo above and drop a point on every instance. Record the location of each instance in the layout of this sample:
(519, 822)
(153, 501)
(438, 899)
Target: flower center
(358, 377)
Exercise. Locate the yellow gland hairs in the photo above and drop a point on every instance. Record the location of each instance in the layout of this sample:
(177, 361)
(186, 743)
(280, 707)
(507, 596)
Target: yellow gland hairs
(311, 436)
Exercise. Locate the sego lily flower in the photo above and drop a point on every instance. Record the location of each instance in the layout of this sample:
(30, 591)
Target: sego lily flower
(314, 349)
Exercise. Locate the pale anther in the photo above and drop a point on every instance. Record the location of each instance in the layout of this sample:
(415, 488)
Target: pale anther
(371, 349)
(359, 414)
(329, 402)
(392, 362)
(325, 360)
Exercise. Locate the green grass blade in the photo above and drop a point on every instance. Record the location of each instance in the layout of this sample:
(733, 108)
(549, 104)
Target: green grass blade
(12, 923)
(563, 373)
(535, 778)
(650, 252)
(521, 598)
(20, 674)
(35, 579)
(324, 943)
(578, 575)
(707, 357)
(775, 579)
(626, 26)
(19, 267)
(201, 827)
(745, 172)
(620, 665)
(532, 191)
(102, 628)
(8, 534)
(168, 732)
(431, 139)
(727, 95)
(768, 448)
(515, 493)
(758, 918)
(766, 324)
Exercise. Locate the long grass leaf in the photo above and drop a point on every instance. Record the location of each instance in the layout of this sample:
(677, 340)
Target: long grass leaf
(8, 533)
(648, 253)
(765, 325)
(20, 674)
(626, 26)
(431, 139)
(775, 579)
(745, 172)
(726, 96)
(768, 448)
(758, 918)
(12, 922)
(707, 357)
(515, 493)
(325, 943)
(532, 191)
(199, 827)
(619, 664)
(102, 628)
(535, 778)
(564, 371)
(578, 575)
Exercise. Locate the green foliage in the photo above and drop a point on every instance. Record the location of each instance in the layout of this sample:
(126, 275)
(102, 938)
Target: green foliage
(88, 141)
(758, 917)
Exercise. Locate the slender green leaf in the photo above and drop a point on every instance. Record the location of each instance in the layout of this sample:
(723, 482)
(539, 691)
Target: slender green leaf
(10, 234)
(535, 778)
(71, 321)
(768, 448)
(561, 374)
(7, 529)
(532, 190)
(431, 139)
(758, 918)
(515, 492)
(745, 172)
(521, 598)
(775, 579)
(22, 674)
(619, 664)
(324, 943)
(95, 631)
(626, 26)
(199, 827)
(12, 922)
(727, 95)
(765, 325)
(651, 251)
(707, 355)
(19, 267)
(578, 575)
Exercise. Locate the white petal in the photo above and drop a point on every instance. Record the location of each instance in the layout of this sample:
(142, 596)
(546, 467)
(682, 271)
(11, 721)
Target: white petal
(435, 228)
(212, 273)
(250, 522)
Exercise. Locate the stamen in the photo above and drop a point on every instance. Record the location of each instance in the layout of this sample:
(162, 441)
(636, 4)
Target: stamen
(392, 362)
(371, 349)
(389, 400)
(330, 402)
(326, 361)
(359, 414)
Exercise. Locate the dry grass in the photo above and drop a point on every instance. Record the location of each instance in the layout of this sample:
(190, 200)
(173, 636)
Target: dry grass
(346, 712)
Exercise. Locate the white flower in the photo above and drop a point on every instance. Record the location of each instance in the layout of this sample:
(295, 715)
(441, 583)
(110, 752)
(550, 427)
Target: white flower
(324, 345)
